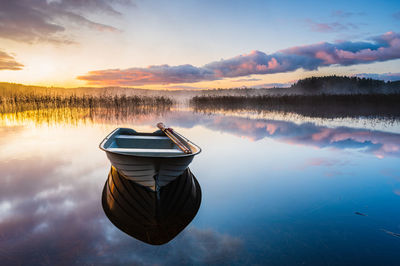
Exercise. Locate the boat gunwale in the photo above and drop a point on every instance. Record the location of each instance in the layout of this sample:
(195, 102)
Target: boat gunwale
(115, 131)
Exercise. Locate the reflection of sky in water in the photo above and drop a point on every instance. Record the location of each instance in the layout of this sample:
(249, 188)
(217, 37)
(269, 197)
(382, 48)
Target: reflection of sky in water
(274, 192)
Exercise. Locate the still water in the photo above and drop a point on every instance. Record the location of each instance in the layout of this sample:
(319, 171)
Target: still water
(277, 189)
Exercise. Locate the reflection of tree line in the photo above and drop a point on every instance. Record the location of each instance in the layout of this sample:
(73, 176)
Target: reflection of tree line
(326, 106)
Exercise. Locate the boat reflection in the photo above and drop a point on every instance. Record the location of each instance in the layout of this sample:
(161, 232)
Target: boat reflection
(154, 217)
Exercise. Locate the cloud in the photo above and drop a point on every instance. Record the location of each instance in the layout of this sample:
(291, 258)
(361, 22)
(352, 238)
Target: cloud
(330, 27)
(45, 20)
(162, 74)
(346, 14)
(246, 80)
(397, 15)
(384, 76)
(7, 62)
(308, 57)
(90, 5)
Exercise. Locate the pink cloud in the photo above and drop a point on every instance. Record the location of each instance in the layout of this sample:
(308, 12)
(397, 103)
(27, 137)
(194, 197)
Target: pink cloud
(273, 63)
(308, 57)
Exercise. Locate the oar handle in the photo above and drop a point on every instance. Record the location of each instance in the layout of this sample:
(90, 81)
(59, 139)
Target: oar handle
(161, 126)
(177, 140)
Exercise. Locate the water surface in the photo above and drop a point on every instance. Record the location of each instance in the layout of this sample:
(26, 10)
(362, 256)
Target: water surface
(278, 189)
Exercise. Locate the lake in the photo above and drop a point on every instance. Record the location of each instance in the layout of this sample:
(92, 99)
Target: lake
(277, 189)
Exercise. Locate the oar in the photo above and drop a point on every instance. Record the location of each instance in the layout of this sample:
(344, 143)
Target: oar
(177, 140)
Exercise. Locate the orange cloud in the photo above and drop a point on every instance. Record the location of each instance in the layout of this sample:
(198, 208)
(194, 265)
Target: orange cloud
(7, 62)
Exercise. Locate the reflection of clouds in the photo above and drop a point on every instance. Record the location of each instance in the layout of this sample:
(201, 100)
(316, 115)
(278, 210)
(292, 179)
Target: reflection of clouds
(50, 213)
(192, 247)
(390, 172)
(333, 173)
(207, 247)
(377, 142)
(5, 208)
(328, 164)
(321, 162)
(324, 162)
(53, 192)
(9, 132)
(70, 228)
(20, 175)
(50, 207)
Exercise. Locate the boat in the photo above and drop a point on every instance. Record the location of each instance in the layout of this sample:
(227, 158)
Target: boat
(153, 217)
(150, 159)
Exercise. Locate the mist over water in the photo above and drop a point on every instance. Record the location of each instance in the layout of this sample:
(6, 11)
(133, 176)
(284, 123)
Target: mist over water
(278, 188)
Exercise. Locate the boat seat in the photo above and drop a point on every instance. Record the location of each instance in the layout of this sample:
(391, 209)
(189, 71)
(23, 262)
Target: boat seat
(133, 150)
(141, 137)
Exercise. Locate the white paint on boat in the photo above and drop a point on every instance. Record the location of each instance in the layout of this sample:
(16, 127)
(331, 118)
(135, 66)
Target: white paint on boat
(149, 159)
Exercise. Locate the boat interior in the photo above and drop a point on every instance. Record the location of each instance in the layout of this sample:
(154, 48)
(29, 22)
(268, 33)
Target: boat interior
(157, 144)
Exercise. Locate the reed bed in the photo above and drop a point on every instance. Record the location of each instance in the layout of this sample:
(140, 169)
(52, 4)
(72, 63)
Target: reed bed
(23, 102)
(44, 106)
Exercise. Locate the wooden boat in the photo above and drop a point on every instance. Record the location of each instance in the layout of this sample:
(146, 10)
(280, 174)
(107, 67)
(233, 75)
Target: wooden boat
(150, 159)
(154, 217)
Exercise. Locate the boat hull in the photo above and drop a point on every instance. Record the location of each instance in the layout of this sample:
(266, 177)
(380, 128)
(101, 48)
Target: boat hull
(149, 171)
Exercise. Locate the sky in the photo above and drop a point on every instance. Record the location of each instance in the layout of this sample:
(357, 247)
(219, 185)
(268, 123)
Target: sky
(195, 44)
